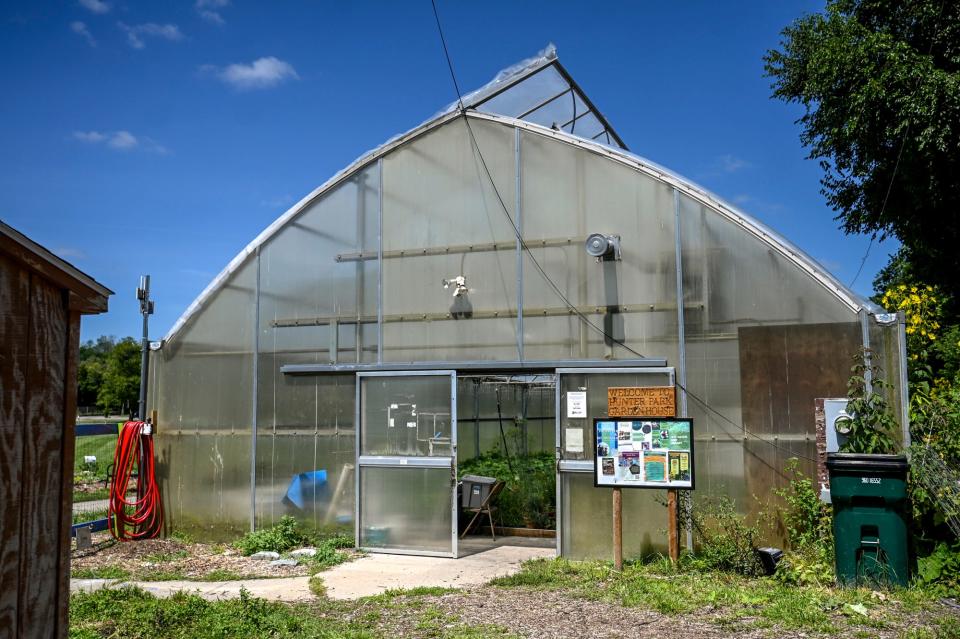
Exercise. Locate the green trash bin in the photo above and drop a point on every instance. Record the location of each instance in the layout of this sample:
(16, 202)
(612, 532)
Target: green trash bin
(869, 495)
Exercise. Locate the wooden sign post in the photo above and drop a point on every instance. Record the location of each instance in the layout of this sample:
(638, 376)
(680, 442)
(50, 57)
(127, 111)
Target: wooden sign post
(648, 401)
(673, 535)
(617, 529)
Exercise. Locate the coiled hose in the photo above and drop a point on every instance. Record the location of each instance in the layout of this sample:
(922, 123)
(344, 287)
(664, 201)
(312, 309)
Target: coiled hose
(141, 518)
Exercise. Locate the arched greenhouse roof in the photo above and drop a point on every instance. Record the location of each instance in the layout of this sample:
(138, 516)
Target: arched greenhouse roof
(539, 96)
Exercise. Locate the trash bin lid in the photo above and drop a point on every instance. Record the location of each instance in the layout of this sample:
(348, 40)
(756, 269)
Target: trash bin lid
(858, 462)
(479, 479)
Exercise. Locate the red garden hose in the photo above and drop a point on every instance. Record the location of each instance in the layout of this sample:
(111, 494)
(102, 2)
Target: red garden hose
(141, 518)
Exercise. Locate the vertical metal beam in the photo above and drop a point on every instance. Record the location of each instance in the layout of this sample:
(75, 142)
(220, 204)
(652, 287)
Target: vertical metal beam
(904, 383)
(358, 433)
(254, 422)
(558, 454)
(454, 523)
(518, 217)
(867, 353)
(379, 264)
(681, 366)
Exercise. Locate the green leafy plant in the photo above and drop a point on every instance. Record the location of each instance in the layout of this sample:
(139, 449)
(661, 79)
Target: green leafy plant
(285, 535)
(808, 520)
(873, 424)
(940, 571)
(530, 491)
(727, 540)
(809, 524)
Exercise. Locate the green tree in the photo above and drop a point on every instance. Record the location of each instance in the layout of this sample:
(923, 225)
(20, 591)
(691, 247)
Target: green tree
(880, 84)
(120, 387)
(91, 365)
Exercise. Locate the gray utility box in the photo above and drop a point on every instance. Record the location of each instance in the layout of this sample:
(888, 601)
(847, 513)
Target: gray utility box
(475, 489)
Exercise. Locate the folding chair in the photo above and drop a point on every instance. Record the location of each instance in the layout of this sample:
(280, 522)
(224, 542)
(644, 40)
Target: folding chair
(486, 507)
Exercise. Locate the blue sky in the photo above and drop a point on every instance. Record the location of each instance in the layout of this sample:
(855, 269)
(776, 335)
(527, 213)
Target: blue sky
(162, 137)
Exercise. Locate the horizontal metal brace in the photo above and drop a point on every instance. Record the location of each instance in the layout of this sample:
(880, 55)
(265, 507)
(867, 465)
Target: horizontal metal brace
(576, 466)
(556, 311)
(480, 365)
(385, 461)
(509, 245)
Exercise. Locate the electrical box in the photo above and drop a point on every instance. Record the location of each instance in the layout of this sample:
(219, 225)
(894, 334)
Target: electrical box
(837, 423)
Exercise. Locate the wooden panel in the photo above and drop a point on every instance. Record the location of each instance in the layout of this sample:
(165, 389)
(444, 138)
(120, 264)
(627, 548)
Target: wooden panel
(14, 303)
(783, 369)
(68, 444)
(40, 543)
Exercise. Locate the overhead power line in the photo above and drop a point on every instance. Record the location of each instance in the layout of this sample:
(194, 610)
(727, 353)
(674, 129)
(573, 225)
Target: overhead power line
(556, 289)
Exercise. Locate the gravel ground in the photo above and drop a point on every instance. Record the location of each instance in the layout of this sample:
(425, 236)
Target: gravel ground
(144, 559)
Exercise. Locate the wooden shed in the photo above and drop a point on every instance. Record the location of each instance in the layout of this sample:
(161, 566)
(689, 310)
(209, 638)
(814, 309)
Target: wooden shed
(41, 300)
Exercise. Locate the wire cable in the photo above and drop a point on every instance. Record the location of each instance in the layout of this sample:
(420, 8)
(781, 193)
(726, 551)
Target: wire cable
(556, 289)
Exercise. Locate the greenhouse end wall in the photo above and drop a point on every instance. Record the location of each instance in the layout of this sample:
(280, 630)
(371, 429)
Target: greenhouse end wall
(356, 277)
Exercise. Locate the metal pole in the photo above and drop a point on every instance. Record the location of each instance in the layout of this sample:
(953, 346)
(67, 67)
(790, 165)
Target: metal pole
(146, 309)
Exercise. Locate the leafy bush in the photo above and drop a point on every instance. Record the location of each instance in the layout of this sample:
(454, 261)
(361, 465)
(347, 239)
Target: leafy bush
(328, 552)
(727, 540)
(530, 492)
(940, 571)
(873, 423)
(284, 536)
(808, 520)
(809, 524)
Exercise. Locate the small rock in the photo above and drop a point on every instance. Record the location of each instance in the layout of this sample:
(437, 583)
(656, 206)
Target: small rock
(265, 554)
(283, 562)
(303, 552)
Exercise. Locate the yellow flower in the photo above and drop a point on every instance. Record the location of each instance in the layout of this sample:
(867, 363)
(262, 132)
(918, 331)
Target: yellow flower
(913, 289)
(902, 287)
(932, 337)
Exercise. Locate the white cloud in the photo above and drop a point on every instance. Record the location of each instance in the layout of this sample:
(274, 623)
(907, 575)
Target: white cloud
(209, 10)
(262, 73)
(120, 141)
(730, 163)
(92, 137)
(81, 30)
(95, 6)
(136, 32)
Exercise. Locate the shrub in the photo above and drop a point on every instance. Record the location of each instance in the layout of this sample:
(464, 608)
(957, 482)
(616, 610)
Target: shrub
(873, 423)
(530, 491)
(940, 571)
(809, 524)
(727, 540)
(283, 536)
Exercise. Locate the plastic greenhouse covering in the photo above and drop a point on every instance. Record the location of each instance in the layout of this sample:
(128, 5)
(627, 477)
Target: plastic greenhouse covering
(357, 277)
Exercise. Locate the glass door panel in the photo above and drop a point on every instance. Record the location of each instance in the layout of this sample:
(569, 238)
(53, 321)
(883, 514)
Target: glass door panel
(407, 460)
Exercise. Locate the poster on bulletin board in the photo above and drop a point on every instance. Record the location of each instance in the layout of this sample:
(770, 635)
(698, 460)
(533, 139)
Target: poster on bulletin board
(652, 452)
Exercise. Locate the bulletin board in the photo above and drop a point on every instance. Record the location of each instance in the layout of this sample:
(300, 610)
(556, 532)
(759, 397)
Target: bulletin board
(643, 452)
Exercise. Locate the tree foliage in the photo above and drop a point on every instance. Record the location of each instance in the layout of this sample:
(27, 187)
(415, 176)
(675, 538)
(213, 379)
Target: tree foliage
(880, 84)
(108, 374)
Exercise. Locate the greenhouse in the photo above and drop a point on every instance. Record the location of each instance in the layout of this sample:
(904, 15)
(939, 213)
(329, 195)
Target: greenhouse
(436, 303)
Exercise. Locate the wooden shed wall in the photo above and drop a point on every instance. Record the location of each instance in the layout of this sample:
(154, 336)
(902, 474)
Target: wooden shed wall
(39, 342)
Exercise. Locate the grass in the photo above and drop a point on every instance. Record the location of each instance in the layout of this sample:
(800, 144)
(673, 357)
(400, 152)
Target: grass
(89, 515)
(734, 601)
(105, 572)
(81, 496)
(130, 612)
(101, 447)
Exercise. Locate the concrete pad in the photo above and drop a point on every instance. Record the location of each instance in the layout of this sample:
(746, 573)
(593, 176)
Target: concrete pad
(377, 573)
(373, 574)
(288, 589)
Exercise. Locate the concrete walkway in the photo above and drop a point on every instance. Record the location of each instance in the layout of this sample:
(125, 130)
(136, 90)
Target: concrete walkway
(370, 575)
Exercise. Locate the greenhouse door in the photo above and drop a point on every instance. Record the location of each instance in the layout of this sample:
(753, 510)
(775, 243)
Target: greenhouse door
(406, 454)
(583, 510)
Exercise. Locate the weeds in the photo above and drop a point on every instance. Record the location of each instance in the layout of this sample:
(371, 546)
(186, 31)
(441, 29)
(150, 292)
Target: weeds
(285, 535)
